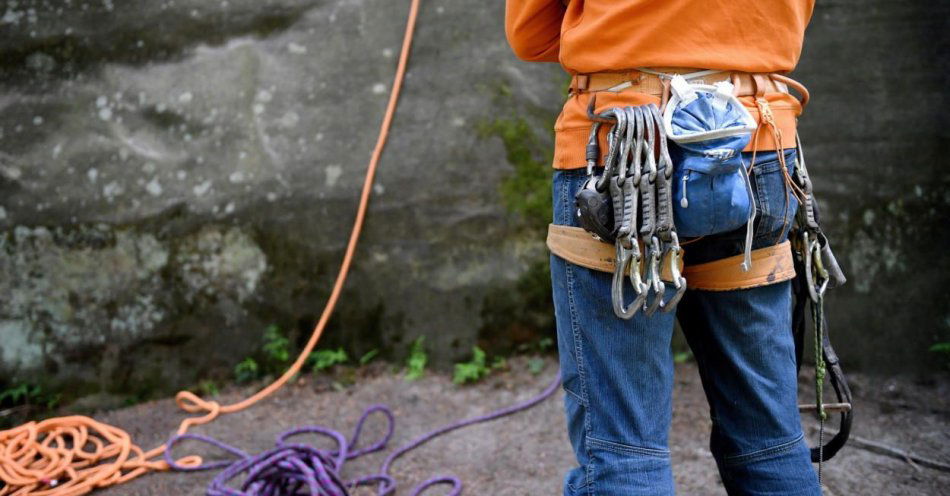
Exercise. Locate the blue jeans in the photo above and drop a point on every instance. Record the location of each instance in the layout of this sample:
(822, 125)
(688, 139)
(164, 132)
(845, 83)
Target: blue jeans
(618, 375)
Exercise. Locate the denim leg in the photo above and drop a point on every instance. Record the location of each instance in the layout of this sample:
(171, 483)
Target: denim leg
(743, 346)
(618, 378)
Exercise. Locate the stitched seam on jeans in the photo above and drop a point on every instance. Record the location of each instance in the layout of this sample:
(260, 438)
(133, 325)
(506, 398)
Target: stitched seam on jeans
(626, 449)
(763, 453)
(578, 349)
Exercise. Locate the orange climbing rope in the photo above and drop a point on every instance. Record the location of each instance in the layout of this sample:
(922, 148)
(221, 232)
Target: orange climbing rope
(72, 456)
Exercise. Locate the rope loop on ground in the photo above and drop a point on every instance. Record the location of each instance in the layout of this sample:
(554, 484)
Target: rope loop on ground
(52, 458)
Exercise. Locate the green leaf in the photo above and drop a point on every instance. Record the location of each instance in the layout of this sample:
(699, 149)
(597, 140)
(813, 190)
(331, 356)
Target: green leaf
(471, 371)
(369, 356)
(536, 365)
(246, 371)
(682, 357)
(416, 364)
(276, 346)
(941, 348)
(324, 359)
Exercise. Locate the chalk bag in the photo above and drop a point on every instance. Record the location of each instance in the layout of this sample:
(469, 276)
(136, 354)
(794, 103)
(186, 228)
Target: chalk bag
(709, 128)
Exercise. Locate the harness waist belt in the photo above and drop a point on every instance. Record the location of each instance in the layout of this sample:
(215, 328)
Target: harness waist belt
(770, 265)
(652, 84)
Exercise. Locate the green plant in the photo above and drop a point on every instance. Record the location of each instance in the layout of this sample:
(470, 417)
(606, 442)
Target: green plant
(246, 371)
(683, 356)
(208, 388)
(941, 348)
(276, 345)
(324, 359)
(416, 364)
(29, 394)
(545, 344)
(471, 371)
(369, 356)
(536, 365)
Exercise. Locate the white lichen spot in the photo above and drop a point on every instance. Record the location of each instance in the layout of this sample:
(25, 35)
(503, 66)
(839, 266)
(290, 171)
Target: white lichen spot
(38, 120)
(105, 113)
(440, 10)
(918, 191)
(3, 214)
(181, 175)
(388, 53)
(57, 150)
(202, 188)
(102, 101)
(296, 48)
(258, 108)
(271, 196)
(148, 167)
(92, 174)
(868, 217)
(154, 187)
(112, 190)
(289, 120)
(379, 189)
(160, 107)
(236, 177)
(185, 97)
(264, 96)
(333, 175)
(379, 88)
(458, 121)
(229, 208)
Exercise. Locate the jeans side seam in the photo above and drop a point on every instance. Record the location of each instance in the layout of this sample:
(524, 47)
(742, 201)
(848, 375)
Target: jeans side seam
(763, 453)
(627, 449)
(576, 335)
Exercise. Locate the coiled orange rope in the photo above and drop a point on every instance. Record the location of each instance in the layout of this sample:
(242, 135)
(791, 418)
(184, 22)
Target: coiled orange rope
(72, 456)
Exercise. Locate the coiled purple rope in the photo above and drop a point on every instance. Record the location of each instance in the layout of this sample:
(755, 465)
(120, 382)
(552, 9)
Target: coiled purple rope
(292, 469)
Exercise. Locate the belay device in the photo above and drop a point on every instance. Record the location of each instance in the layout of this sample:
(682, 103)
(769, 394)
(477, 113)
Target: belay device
(627, 200)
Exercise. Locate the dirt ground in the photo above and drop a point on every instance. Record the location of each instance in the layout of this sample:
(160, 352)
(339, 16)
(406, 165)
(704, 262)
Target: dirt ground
(526, 454)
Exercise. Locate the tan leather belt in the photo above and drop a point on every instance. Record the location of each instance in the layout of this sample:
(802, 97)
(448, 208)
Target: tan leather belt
(747, 84)
(769, 265)
(580, 248)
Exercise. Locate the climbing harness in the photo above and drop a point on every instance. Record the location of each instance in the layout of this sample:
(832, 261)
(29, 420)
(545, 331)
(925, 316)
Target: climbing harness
(629, 202)
(608, 203)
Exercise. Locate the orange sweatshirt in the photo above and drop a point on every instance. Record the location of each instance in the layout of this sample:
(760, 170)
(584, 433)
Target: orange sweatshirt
(589, 36)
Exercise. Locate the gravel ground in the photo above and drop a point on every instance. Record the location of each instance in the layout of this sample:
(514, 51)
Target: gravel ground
(526, 454)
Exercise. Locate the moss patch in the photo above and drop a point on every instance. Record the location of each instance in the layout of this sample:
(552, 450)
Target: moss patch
(527, 191)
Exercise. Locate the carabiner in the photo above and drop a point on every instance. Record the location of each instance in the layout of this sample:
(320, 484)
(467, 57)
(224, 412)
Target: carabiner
(679, 282)
(815, 274)
(654, 279)
(622, 264)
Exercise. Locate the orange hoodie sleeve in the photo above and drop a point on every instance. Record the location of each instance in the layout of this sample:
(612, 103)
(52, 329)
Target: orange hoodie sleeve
(533, 28)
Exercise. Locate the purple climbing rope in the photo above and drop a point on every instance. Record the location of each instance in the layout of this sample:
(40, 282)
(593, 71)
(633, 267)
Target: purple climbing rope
(291, 469)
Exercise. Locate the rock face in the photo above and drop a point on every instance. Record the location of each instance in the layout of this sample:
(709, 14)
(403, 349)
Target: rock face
(175, 176)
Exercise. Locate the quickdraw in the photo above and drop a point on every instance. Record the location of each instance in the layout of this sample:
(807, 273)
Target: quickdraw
(817, 271)
(629, 203)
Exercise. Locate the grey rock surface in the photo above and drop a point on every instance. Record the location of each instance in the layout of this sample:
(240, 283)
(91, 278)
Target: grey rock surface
(177, 175)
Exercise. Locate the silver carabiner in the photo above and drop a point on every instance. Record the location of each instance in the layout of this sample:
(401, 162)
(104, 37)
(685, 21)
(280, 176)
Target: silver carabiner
(622, 265)
(815, 274)
(654, 280)
(679, 282)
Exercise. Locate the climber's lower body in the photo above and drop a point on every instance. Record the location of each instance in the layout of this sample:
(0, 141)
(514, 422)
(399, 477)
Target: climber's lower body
(618, 374)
